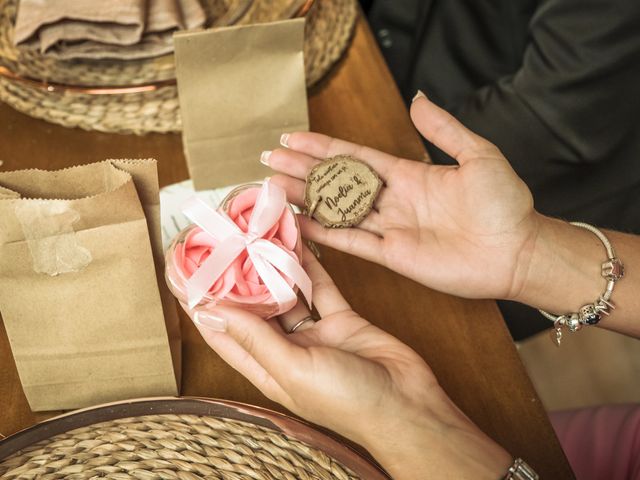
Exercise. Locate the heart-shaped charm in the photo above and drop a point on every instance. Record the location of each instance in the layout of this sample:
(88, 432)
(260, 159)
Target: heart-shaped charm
(556, 336)
(340, 191)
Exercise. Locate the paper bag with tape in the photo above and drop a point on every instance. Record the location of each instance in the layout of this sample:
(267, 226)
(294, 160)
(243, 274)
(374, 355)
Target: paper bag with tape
(82, 295)
(240, 88)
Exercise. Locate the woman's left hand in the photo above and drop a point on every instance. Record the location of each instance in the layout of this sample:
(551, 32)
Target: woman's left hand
(352, 377)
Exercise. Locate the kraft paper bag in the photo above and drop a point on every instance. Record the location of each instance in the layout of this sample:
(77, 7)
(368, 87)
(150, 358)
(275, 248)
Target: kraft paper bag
(240, 88)
(82, 295)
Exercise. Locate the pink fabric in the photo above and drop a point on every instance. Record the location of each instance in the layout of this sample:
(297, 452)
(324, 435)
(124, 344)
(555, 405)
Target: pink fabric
(601, 443)
(245, 254)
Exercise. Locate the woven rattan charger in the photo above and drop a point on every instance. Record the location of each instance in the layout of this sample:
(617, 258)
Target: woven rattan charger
(179, 438)
(140, 96)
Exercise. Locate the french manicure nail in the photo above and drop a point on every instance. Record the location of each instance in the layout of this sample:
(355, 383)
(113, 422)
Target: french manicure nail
(419, 94)
(264, 157)
(284, 140)
(210, 321)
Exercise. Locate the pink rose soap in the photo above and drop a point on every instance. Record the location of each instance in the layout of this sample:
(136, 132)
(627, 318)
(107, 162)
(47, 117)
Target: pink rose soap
(245, 254)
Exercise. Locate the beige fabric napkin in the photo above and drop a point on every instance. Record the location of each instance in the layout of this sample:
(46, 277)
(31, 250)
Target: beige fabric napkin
(193, 15)
(126, 29)
(240, 88)
(119, 22)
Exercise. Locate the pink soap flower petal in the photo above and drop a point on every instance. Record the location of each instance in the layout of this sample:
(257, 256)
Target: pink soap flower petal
(240, 287)
(227, 282)
(200, 238)
(241, 207)
(288, 230)
(189, 267)
(199, 254)
(271, 232)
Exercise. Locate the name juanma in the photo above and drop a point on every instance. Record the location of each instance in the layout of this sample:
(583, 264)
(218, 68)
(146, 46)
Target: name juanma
(356, 202)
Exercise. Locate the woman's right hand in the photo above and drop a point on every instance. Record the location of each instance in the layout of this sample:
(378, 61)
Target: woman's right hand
(468, 230)
(350, 376)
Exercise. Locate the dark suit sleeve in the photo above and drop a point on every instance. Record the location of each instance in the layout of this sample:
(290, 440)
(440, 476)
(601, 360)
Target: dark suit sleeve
(568, 120)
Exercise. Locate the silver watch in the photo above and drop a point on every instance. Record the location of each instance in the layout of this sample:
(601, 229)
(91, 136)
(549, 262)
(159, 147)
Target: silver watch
(521, 471)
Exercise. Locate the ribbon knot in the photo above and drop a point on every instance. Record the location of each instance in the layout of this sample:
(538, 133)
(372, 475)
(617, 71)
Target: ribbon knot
(268, 258)
(249, 238)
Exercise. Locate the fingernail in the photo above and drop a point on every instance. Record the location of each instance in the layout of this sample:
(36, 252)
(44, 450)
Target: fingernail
(284, 140)
(264, 157)
(210, 321)
(419, 94)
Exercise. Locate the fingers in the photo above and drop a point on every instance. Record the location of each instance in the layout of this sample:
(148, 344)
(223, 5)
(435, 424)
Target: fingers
(238, 358)
(322, 146)
(271, 350)
(293, 187)
(355, 241)
(372, 223)
(290, 319)
(292, 163)
(326, 296)
(445, 132)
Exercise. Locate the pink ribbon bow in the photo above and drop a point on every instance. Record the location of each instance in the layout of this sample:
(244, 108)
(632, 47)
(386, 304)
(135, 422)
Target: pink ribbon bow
(267, 257)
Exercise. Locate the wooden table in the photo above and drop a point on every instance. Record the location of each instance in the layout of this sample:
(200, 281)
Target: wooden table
(465, 342)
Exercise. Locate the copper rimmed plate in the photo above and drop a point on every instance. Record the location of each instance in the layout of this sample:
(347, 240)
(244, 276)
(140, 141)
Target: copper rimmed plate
(221, 409)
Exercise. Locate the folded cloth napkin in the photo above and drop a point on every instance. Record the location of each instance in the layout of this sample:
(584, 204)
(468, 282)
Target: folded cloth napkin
(122, 29)
(45, 22)
(193, 15)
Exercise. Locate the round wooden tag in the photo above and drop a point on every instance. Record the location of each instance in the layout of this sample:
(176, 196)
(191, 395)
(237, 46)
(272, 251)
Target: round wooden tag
(340, 191)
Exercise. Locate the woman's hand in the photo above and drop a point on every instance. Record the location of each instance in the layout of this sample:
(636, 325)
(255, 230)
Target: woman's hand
(470, 230)
(357, 380)
(467, 230)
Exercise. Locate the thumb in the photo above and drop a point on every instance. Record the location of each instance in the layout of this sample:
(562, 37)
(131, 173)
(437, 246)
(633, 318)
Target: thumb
(272, 350)
(444, 131)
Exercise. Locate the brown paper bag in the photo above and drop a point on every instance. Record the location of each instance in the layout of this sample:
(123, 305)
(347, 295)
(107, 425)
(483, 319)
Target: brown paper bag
(240, 88)
(80, 296)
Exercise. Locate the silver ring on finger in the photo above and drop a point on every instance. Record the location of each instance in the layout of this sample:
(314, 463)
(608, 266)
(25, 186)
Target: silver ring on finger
(306, 319)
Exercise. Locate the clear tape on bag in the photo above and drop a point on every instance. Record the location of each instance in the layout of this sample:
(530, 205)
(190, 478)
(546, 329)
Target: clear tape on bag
(48, 231)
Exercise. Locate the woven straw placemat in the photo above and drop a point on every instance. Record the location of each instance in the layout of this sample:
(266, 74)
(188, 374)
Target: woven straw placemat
(180, 438)
(155, 107)
(185, 447)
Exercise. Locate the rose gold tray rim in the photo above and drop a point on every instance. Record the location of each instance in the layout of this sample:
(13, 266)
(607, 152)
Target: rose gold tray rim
(232, 410)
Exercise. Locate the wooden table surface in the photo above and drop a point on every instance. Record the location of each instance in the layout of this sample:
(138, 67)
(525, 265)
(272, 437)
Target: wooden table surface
(464, 341)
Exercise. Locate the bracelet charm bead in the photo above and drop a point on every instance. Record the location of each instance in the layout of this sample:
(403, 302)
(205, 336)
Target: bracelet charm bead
(590, 314)
(573, 322)
(613, 269)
